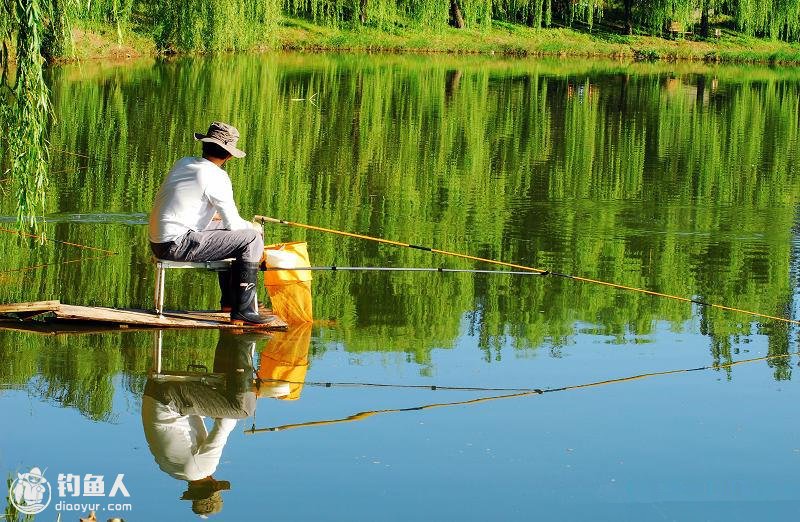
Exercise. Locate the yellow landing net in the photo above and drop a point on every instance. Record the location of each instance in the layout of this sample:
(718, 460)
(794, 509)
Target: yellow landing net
(289, 290)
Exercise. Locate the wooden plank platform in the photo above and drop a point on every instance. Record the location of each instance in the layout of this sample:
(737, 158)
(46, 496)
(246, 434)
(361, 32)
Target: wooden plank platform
(58, 311)
(36, 306)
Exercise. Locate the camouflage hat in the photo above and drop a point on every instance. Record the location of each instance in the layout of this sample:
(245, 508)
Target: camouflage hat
(223, 135)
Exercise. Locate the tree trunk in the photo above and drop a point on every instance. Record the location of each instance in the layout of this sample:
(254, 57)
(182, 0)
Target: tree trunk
(629, 17)
(456, 18)
(704, 21)
(355, 136)
(701, 90)
(451, 81)
(362, 11)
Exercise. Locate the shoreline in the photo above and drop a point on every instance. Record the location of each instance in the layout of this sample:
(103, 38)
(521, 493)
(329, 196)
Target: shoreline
(99, 42)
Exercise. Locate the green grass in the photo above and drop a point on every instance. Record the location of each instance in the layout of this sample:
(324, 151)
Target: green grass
(99, 41)
(513, 39)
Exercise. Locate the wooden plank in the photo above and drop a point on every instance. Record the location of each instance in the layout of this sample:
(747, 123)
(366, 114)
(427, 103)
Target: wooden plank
(223, 318)
(73, 327)
(210, 315)
(148, 318)
(35, 306)
(66, 328)
(202, 315)
(27, 316)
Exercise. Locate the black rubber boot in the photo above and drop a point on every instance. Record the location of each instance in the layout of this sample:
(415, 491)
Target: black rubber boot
(228, 296)
(245, 309)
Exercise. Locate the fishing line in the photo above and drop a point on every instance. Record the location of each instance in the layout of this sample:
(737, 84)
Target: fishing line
(532, 391)
(63, 151)
(265, 219)
(77, 245)
(105, 253)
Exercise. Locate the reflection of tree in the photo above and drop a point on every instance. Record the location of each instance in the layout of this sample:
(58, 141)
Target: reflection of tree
(452, 79)
(627, 185)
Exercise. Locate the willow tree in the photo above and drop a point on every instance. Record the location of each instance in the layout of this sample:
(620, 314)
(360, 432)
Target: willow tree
(772, 18)
(706, 6)
(540, 13)
(116, 12)
(586, 11)
(533, 13)
(31, 31)
(207, 25)
(456, 15)
(656, 15)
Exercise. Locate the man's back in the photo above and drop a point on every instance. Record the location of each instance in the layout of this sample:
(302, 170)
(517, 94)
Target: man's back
(181, 204)
(192, 192)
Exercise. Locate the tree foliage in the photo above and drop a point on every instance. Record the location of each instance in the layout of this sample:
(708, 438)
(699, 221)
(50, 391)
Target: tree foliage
(681, 182)
(31, 31)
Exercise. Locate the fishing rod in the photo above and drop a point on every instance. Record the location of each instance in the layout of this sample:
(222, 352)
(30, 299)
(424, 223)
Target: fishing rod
(265, 219)
(532, 391)
(335, 268)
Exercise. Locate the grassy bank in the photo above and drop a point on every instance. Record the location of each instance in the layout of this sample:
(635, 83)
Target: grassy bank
(99, 41)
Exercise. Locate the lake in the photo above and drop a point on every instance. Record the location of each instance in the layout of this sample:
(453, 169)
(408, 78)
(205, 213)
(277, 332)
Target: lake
(681, 179)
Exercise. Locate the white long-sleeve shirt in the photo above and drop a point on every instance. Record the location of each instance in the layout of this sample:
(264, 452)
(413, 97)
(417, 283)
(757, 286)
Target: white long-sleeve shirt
(192, 192)
(180, 443)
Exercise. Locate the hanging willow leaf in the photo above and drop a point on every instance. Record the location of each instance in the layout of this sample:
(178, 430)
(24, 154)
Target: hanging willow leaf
(26, 108)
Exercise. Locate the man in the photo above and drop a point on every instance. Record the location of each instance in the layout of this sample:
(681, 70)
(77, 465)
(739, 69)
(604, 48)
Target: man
(194, 218)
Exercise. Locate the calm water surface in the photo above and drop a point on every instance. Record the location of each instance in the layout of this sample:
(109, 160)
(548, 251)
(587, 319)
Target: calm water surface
(679, 179)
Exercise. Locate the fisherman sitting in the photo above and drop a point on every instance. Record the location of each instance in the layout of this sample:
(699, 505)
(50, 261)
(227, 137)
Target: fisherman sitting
(194, 218)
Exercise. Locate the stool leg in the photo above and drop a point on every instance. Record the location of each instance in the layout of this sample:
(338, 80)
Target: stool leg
(156, 285)
(157, 346)
(160, 273)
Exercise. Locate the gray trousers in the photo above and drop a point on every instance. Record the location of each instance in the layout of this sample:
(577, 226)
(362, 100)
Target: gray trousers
(212, 244)
(194, 398)
(233, 399)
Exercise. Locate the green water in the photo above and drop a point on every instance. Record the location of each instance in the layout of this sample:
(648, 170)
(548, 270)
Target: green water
(677, 179)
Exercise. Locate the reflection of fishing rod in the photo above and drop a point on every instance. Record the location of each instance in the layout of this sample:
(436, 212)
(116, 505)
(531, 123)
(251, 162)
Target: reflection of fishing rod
(264, 219)
(431, 387)
(533, 391)
(334, 268)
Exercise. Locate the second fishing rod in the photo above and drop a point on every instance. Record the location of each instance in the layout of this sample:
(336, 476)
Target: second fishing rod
(539, 271)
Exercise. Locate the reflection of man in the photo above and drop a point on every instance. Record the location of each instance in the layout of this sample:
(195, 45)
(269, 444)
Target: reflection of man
(194, 218)
(173, 413)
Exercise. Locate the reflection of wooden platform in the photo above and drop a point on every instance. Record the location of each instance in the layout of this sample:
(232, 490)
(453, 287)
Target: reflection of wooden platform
(23, 314)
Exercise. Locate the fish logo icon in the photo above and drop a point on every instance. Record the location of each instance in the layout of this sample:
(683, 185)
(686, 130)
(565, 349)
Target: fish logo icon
(30, 492)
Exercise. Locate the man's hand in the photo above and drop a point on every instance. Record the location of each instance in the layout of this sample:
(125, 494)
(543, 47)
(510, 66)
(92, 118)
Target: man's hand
(216, 217)
(257, 225)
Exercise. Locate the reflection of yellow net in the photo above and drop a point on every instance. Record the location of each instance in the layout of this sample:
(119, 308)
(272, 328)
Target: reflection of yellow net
(285, 358)
(289, 290)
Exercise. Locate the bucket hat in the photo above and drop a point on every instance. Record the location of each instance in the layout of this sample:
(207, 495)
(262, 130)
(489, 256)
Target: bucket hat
(224, 135)
(204, 489)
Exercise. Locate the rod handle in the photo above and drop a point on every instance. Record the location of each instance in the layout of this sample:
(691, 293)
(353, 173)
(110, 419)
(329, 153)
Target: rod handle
(265, 219)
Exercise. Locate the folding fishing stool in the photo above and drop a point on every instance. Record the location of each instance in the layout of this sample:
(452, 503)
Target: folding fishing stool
(162, 265)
